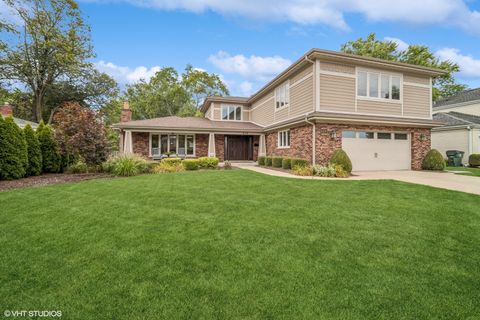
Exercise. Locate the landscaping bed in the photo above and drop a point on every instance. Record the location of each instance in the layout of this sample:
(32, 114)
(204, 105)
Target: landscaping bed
(48, 179)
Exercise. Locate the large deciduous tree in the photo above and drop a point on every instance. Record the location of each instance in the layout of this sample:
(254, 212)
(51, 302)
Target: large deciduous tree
(443, 86)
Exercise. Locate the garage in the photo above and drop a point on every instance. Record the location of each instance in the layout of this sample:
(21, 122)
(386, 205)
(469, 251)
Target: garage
(371, 150)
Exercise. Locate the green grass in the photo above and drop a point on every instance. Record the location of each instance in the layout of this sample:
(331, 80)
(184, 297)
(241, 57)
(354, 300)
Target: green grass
(238, 244)
(466, 171)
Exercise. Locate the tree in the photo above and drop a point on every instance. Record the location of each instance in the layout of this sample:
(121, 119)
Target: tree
(52, 44)
(199, 84)
(80, 133)
(34, 166)
(13, 150)
(49, 147)
(443, 86)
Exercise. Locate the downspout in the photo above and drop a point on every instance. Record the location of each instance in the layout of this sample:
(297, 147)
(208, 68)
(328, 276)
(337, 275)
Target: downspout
(314, 142)
(470, 140)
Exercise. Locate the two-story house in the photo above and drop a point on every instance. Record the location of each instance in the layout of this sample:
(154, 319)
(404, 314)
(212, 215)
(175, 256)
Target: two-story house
(379, 112)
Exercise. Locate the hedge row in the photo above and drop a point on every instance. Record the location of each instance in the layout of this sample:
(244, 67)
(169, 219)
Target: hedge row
(281, 162)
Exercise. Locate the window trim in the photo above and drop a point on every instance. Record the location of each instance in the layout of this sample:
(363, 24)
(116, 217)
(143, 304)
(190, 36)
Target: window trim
(223, 105)
(287, 96)
(379, 86)
(280, 139)
(160, 134)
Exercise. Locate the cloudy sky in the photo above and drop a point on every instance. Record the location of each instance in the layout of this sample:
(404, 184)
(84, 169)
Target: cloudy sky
(248, 42)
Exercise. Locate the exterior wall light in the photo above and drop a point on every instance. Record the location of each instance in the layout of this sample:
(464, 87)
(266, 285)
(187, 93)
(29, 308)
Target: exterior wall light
(333, 134)
(423, 137)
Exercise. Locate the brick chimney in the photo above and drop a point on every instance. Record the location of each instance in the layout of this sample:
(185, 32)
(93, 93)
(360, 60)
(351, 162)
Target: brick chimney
(126, 114)
(6, 110)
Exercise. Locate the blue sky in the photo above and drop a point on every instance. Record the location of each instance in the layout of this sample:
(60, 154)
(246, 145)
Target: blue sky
(249, 42)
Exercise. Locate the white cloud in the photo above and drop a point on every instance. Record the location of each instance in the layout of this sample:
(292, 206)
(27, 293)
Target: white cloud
(469, 66)
(126, 75)
(246, 88)
(331, 12)
(253, 67)
(401, 45)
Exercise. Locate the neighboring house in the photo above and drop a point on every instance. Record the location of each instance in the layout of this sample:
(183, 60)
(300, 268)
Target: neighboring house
(378, 111)
(6, 111)
(461, 114)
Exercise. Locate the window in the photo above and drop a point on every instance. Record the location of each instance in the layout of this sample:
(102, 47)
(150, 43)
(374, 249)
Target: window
(401, 136)
(348, 134)
(284, 139)
(282, 96)
(378, 85)
(384, 135)
(231, 112)
(172, 143)
(365, 135)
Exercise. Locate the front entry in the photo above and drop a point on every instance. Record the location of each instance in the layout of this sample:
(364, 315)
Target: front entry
(238, 148)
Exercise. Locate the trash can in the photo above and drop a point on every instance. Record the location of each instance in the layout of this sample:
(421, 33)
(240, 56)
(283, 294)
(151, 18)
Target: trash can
(455, 158)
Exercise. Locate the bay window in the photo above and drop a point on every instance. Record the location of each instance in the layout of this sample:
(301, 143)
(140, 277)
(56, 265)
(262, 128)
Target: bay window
(378, 85)
(172, 143)
(231, 112)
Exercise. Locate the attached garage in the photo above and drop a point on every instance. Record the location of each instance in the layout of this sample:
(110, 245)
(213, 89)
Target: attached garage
(369, 150)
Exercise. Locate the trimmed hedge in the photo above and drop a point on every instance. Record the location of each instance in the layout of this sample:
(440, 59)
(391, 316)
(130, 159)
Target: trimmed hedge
(474, 160)
(192, 164)
(51, 159)
(34, 166)
(433, 161)
(268, 161)
(277, 162)
(13, 150)
(341, 158)
(261, 161)
(287, 163)
(297, 162)
(207, 162)
(172, 160)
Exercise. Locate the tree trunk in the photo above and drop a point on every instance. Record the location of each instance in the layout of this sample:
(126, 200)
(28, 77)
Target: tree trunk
(37, 107)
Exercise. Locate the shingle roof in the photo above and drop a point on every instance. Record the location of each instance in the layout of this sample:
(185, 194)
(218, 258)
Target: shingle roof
(453, 118)
(464, 96)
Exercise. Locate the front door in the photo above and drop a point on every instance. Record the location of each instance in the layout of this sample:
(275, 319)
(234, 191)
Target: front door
(238, 148)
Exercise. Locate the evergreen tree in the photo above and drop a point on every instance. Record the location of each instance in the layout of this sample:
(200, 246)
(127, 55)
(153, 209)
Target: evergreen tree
(49, 147)
(13, 150)
(34, 167)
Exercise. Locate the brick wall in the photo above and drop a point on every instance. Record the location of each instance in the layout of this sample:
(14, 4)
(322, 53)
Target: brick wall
(300, 143)
(140, 143)
(220, 146)
(201, 145)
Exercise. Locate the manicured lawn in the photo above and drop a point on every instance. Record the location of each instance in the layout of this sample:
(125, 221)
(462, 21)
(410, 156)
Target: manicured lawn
(238, 244)
(466, 171)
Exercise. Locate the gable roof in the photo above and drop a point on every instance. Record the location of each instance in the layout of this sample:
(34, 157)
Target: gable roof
(460, 98)
(453, 118)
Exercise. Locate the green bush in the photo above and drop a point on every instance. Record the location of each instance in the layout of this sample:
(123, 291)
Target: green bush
(474, 160)
(300, 170)
(192, 164)
(261, 161)
(50, 151)
(322, 171)
(168, 166)
(78, 167)
(13, 150)
(433, 161)
(172, 160)
(341, 158)
(287, 163)
(126, 165)
(277, 162)
(34, 166)
(227, 165)
(340, 172)
(208, 162)
(268, 161)
(297, 162)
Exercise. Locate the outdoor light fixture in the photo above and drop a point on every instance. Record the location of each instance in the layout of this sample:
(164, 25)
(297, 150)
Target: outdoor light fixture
(423, 137)
(333, 134)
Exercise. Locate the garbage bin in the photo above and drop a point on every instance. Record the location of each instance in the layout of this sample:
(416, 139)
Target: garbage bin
(455, 158)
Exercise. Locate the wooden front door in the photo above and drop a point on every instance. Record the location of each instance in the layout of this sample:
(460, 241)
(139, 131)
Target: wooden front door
(238, 148)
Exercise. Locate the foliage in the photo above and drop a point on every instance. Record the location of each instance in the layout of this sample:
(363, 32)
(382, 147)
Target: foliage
(126, 165)
(50, 151)
(168, 166)
(227, 165)
(298, 162)
(474, 160)
(268, 161)
(200, 84)
(13, 150)
(277, 162)
(421, 55)
(34, 167)
(172, 160)
(300, 170)
(80, 133)
(208, 162)
(287, 163)
(191, 164)
(261, 160)
(433, 161)
(78, 167)
(340, 172)
(340, 157)
(324, 171)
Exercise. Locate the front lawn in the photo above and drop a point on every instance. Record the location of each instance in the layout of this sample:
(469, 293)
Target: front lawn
(467, 171)
(238, 244)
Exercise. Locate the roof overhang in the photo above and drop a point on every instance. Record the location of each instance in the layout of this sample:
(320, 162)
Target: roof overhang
(119, 126)
(455, 105)
(457, 127)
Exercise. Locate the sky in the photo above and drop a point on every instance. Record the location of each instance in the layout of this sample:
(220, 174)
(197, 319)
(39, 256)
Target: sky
(248, 42)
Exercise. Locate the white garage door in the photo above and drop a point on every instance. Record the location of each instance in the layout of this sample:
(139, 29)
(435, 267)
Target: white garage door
(370, 150)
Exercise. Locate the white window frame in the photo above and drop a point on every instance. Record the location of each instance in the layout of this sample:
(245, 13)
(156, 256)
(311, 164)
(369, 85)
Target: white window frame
(286, 96)
(223, 106)
(283, 139)
(159, 134)
(379, 85)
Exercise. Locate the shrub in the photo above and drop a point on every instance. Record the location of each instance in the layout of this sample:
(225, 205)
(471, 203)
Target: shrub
(172, 160)
(474, 160)
(48, 145)
(299, 170)
(261, 161)
(297, 162)
(287, 163)
(168, 166)
(126, 165)
(433, 161)
(13, 150)
(322, 171)
(227, 165)
(207, 162)
(78, 167)
(340, 157)
(268, 161)
(277, 162)
(340, 172)
(34, 165)
(191, 164)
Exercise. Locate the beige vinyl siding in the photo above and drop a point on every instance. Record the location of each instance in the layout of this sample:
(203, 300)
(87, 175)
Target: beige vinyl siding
(416, 79)
(262, 110)
(416, 101)
(208, 113)
(245, 115)
(476, 140)
(301, 74)
(301, 98)
(217, 112)
(473, 109)
(451, 140)
(379, 107)
(337, 93)
(337, 67)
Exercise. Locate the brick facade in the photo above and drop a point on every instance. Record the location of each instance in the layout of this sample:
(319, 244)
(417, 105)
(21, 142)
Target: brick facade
(141, 143)
(201, 145)
(220, 146)
(300, 143)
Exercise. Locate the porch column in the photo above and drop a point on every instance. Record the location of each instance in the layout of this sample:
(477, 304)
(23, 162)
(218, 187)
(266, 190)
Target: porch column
(211, 145)
(127, 143)
(262, 148)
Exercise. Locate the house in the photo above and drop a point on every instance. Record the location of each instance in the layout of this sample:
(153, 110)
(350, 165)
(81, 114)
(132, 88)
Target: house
(378, 111)
(461, 114)
(6, 111)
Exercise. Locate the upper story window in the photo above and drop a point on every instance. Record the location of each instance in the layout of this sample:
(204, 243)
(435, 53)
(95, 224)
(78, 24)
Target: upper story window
(282, 96)
(378, 85)
(231, 112)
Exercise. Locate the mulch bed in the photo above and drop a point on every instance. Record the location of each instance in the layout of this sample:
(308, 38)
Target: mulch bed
(47, 179)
